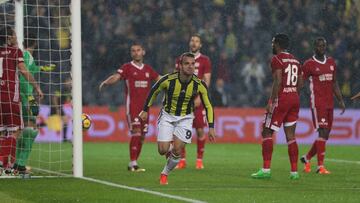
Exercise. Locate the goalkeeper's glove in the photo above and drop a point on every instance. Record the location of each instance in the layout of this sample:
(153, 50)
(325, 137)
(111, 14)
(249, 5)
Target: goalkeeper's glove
(48, 68)
(33, 105)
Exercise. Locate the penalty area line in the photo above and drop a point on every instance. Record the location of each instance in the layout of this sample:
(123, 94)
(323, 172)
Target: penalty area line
(184, 199)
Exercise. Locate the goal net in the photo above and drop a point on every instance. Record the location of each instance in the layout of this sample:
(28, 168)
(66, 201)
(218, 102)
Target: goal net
(44, 34)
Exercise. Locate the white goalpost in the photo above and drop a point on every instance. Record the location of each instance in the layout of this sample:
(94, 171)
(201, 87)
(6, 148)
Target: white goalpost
(56, 27)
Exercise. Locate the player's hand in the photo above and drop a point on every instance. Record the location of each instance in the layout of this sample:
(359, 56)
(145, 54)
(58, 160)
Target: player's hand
(101, 86)
(268, 107)
(212, 134)
(342, 106)
(355, 96)
(39, 93)
(197, 101)
(143, 115)
(48, 68)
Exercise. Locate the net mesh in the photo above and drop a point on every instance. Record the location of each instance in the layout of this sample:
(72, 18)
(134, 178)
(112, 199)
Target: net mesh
(47, 23)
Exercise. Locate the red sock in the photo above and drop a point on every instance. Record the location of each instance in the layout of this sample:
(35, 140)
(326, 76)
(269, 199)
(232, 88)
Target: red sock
(183, 153)
(200, 147)
(8, 148)
(312, 151)
(320, 150)
(139, 146)
(133, 147)
(3, 149)
(267, 149)
(293, 151)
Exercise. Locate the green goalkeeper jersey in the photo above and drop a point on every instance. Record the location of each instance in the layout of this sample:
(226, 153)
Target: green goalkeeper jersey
(26, 89)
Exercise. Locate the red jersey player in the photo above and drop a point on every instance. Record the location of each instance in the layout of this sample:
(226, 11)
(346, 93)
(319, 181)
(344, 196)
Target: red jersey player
(321, 72)
(11, 123)
(283, 106)
(203, 71)
(138, 77)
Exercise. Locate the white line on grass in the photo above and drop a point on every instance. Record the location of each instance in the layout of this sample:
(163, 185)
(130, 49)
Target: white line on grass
(184, 199)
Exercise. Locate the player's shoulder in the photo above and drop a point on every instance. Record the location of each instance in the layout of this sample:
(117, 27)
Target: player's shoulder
(172, 76)
(196, 79)
(147, 66)
(330, 59)
(204, 57)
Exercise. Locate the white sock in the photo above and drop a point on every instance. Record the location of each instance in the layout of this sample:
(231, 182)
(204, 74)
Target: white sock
(132, 163)
(293, 172)
(171, 164)
(266, 170)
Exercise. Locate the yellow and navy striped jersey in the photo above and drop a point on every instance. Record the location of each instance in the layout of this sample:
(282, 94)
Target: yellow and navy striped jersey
(179, 96)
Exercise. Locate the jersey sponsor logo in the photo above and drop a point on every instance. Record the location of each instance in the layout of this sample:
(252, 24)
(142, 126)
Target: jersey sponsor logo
(289, 60)
(289, 89)
(326, 77)
(141, 83)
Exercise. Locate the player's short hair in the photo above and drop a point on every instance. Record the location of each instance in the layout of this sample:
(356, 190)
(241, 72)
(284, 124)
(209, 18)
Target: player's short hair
(5, 32)
(196, 35)
(186, 54)
(137, 43)
(30, 41)
(319, 39)
(282, 39)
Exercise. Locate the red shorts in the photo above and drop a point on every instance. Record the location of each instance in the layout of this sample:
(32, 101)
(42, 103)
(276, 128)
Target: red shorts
(284, 111)
(10, 114)
(134, 122)
(322, 118)
(200, 117)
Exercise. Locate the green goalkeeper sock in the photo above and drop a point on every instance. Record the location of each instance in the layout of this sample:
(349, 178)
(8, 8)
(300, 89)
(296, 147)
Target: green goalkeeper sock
(24, 145)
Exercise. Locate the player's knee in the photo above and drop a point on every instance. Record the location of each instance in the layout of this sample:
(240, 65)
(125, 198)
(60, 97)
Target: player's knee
(324, 133)
(266, 133)
(200, 132)
(163, 150)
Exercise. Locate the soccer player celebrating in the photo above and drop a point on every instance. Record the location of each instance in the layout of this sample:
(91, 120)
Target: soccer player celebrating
(283, 106)
(11, 123)
(203, 72)
(176, 117)
(30, 108)
(138, 77)
(321, 72)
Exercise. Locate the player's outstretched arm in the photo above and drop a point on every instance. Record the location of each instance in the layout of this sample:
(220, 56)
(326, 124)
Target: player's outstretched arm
(27, 75)
(110, 80)
(356, 96)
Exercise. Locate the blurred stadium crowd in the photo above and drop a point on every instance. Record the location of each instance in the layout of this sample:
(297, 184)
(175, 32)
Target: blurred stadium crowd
(236, 36)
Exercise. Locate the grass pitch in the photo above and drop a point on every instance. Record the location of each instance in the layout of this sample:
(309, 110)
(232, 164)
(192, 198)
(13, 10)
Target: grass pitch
(226, 177)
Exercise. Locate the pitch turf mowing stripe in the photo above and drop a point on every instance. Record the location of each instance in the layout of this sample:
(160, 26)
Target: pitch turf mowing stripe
(125, 187)
(342, 161)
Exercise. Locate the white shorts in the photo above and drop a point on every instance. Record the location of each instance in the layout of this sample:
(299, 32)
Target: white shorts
(169, 125)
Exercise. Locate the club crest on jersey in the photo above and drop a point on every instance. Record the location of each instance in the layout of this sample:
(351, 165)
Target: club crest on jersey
(317, 69)
(147, 74)
(332, 68)
(197, 64)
